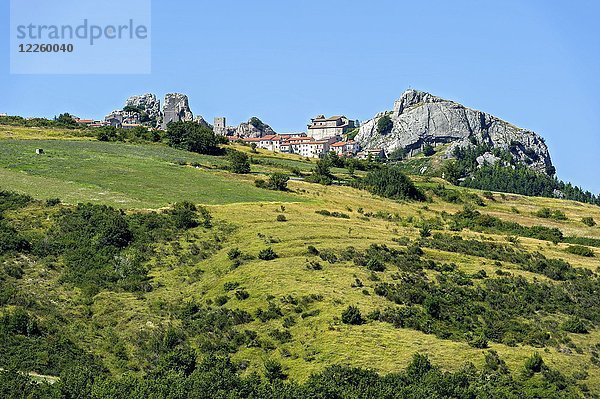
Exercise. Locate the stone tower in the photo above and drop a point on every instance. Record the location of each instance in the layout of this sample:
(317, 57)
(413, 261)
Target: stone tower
(219, 126)
(176, 108)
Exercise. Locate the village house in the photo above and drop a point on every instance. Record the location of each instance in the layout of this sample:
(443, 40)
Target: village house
(374, 153)
(345, 148)
(321, 127)
(271, 142)
(292, 135)
(86, 122)
(309, 148)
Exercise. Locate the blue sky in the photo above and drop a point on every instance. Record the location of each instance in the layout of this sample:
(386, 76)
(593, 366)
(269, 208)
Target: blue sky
(533, 63)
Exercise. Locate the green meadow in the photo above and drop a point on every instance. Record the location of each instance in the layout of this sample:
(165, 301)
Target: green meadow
(111, 324)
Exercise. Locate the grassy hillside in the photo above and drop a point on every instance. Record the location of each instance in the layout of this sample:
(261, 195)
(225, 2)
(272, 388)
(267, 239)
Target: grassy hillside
(300, 294)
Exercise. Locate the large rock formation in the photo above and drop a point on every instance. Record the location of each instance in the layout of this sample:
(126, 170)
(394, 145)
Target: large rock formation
(176, 108)
(419, 118)
(149, 105)
(253, 128)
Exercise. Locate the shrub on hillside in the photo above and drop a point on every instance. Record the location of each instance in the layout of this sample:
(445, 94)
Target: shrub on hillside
(580, 250)
(352, 315)
(533, 364)
(588, 221)
(11, 200)
(276, 181)
(267, 254)
(391, 182)
(574, 325)
(384, 125)
(185, 214)
(478, 341)
(548, 213)
(274, 371)
(428, 150)
(334, 214)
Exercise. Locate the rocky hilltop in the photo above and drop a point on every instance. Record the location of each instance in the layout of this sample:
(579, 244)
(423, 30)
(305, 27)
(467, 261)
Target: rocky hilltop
(253, 128)
(176, 108)
(147, 103)
(419, 118)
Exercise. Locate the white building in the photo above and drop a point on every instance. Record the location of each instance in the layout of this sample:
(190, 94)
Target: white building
(346, 148)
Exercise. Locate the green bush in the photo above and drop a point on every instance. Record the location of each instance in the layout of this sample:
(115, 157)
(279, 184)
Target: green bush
(574, 325)
(9, 200)
(334, 214)
(351, 315)
(588, 221)
(52, 202)
(391, 182)
(192, 136)
(276, 181)
(281, 218)
(533, 364)
(479, 341)
(267, 254)
(321, 172)
(242, 294)
(548, 213)
(384, 125)
(274, 371)
(428, 150)
(238, 162)
(184, 215)
(580, 250)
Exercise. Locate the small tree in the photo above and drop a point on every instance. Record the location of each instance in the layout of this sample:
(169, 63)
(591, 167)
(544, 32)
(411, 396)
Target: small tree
(534, 364)
(274, 371)
(278, 181)
(428, 150)
(384, 125)
(238, 162)
(322, 172)
(398, 154)
(352, 316)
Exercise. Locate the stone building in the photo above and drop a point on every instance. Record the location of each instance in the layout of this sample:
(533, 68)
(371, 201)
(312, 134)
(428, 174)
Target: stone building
(323, 128)
(219, 126)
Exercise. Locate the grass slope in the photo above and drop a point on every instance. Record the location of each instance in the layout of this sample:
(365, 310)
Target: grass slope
(123, 175)
(136, 176)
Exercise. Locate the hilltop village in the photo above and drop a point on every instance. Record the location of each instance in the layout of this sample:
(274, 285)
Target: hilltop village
(323, 134)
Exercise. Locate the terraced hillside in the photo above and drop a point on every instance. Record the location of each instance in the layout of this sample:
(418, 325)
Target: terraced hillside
(272, 277)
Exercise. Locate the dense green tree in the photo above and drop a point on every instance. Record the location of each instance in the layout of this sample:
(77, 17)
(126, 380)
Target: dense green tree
(192, 136)
(391, 182)
(238, 161)
(384, 125)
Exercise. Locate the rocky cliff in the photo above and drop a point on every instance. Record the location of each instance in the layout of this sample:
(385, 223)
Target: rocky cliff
(419, 118)
(253, 128)
(149, 104)
(176, 108)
